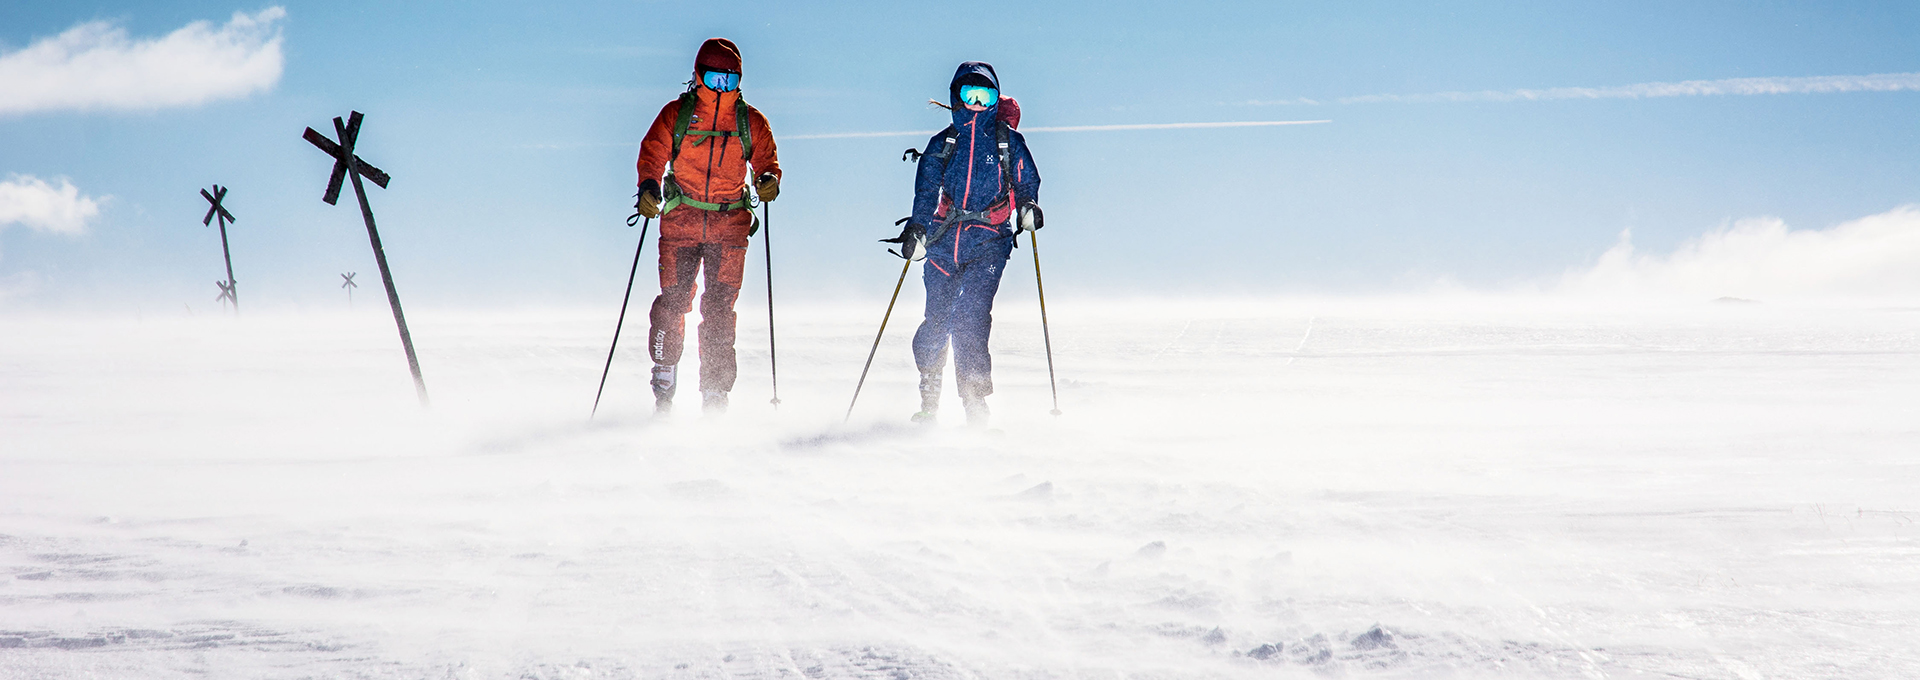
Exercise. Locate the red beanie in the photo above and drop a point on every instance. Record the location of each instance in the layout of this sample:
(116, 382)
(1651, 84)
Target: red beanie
(717, 54)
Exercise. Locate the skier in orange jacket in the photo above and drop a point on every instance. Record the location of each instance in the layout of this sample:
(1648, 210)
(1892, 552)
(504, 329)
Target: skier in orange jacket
(713, 139)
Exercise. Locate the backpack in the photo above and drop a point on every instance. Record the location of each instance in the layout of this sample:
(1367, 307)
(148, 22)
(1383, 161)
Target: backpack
(673, 197)
(680, 124)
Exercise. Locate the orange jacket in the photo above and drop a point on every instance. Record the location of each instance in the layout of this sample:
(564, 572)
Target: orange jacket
(709, 169)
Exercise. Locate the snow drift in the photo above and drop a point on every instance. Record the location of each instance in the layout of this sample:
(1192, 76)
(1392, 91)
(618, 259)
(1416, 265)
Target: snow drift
(1874, 257)
(1279, 488)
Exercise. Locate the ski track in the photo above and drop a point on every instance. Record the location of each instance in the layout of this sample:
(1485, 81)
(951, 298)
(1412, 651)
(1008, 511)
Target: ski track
(1701, 493)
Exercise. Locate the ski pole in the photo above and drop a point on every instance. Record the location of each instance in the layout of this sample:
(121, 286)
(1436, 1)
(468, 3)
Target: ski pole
(876, 338)
(773, 352)
(1034, 240)
(623, 312)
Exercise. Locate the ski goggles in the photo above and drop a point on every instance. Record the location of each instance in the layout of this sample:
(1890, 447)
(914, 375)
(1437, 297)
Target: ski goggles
(978, 95)
(720, 81)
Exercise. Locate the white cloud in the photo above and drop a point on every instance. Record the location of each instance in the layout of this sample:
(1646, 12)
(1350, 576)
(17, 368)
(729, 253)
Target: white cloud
(1880, 82)
(96, 66)
(1876, 256)
(33, 203)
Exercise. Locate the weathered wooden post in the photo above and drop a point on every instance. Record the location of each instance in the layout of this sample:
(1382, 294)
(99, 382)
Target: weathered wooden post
(228, 289)
(347, 165)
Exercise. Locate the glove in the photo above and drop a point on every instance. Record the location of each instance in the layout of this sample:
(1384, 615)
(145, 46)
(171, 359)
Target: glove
(647, 203)
(909, 238)
(767, 185)
(1031, 219)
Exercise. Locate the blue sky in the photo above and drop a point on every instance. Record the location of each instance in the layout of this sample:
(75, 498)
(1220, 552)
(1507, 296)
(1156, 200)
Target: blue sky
(510, 131)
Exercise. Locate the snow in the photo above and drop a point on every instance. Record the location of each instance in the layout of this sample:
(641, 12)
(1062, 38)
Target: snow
(1273, 488)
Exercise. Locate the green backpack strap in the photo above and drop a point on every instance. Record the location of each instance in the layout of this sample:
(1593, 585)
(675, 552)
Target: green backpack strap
(674, 198)
(685, 120)
(746, 133)
(687, 102)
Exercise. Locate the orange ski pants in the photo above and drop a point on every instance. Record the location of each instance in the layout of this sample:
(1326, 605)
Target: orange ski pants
(692, 241)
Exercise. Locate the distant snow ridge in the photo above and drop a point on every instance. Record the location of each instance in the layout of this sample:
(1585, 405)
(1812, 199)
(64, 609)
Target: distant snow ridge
(1875, 256)
(95, 65)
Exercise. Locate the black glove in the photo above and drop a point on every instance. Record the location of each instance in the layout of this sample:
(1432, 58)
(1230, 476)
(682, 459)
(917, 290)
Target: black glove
(1030, 217)
(909, 238)
(647, 202)
(767, 186)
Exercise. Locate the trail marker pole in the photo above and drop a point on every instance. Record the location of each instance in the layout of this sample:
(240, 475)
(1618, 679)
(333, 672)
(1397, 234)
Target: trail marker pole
(228, 289)
(349, 285)
(348, 165)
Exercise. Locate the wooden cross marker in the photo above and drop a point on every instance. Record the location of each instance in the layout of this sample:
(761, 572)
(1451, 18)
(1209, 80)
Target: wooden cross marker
(349, 285)
(344, 160)
(218, 211)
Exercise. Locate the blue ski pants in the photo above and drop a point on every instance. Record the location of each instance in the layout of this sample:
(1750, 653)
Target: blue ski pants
(960, 314)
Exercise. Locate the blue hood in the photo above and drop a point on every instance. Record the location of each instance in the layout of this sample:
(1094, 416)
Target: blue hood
(975, 73)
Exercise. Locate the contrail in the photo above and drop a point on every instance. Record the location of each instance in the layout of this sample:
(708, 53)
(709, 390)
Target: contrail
(1879, 82)
(851, 135)
(1172, 126)
(1077, 128)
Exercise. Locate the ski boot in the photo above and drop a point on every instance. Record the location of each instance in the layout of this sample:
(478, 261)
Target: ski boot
(973, 398)
(713, 403)
(977, 414)
(929, 399)
(663, 384)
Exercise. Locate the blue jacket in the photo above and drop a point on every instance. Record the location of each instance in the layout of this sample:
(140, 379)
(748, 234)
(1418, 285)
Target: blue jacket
(970, 177)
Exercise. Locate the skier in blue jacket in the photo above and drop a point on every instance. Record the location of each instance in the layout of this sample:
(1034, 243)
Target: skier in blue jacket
(975, 189)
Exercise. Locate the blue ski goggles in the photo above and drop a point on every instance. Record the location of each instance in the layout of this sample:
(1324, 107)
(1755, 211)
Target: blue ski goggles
(720, 81)
(978, 95)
